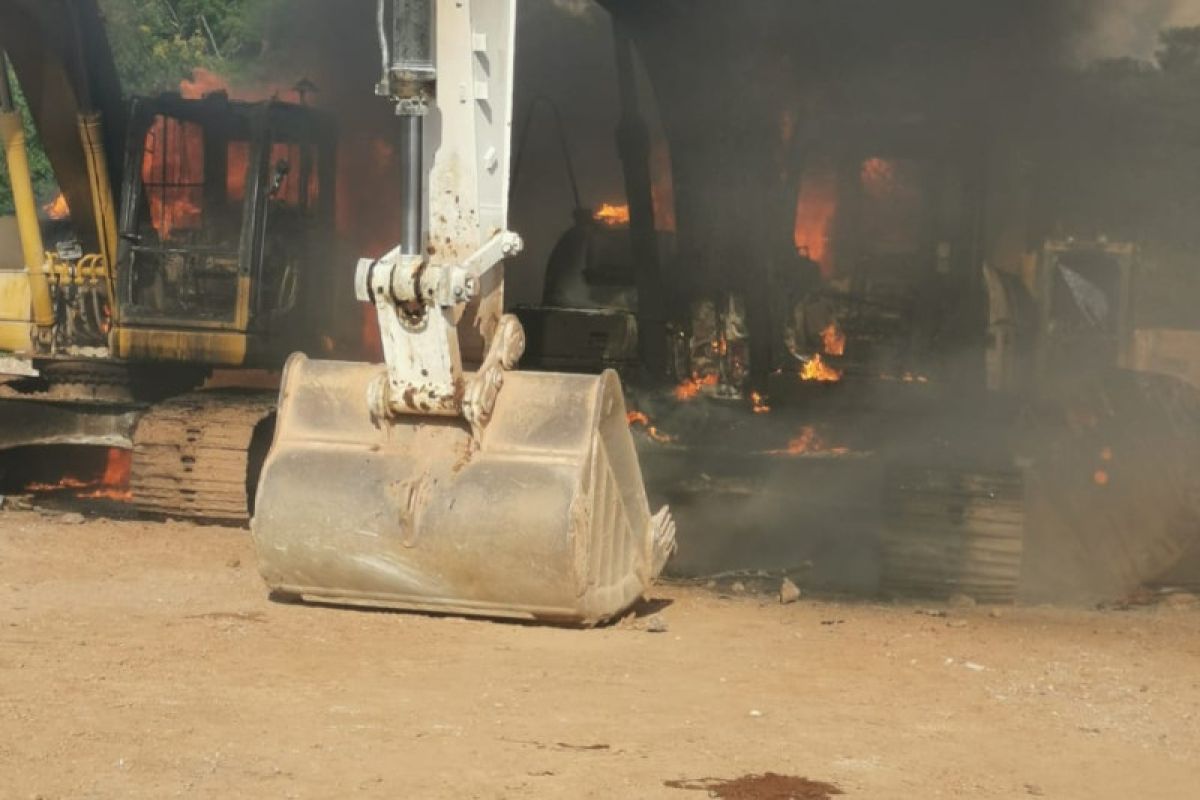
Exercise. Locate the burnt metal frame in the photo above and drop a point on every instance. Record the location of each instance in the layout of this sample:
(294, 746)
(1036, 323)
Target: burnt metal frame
(268, 122)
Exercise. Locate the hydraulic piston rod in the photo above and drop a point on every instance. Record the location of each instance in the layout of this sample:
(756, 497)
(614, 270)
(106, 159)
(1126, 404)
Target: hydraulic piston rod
(12, 136)
(412, 184)
(409, 80)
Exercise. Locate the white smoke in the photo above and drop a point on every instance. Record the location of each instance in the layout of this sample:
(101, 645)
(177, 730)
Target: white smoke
(1130, 28)
(577, 8)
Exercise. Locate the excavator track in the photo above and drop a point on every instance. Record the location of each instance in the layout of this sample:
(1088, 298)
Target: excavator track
(197, 455)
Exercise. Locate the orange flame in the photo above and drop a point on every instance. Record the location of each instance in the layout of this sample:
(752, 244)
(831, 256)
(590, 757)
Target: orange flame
(759, 403)
(173, 174)
(662, 194)
(639, 418)
(204, 82)
(612, 215)
(690, 388)
(57, 208)
(834, 340)
(662, 186)
(201, 83)
(815, 211)
(806, 441)
(113, 484)
(817, 370)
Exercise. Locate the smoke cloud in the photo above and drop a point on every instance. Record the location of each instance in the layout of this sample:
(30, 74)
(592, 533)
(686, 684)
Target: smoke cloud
(1130, 28)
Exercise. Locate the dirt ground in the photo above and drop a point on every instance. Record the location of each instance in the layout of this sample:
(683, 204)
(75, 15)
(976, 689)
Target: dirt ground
(144, 660)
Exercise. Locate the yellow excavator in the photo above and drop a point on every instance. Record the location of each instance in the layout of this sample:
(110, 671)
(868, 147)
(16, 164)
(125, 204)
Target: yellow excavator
(422, 483)
(199, 238)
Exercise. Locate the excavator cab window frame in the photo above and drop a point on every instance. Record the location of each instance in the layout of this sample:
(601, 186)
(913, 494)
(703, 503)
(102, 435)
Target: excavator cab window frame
(299, 197)
(222, 122)
(263, 127)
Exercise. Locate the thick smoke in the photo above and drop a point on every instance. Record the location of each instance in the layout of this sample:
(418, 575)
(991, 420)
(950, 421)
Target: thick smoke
(1130, 28)
(964, 80)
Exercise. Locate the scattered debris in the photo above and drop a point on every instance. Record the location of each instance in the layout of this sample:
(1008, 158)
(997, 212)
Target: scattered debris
(788, 592)
(931, 612)
(656, 623)
(569, 746)
(562, 745)
(1145, 597)
(235, 616)
(1180, 600)
(971, 665)
(956, 623)
(71, 518)
(769, 786)
(961, 601)
(233, 563)
(1034, 789)
(738, 587)
(17, 502)
(833, 622)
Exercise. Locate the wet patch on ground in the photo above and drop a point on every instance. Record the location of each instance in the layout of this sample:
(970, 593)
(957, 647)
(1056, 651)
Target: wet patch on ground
(769, 786)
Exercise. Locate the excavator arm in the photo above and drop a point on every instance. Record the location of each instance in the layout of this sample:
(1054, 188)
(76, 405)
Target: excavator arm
(418, 484)
(60, 53)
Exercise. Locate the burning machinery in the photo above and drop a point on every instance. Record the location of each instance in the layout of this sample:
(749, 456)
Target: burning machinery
(194, 235)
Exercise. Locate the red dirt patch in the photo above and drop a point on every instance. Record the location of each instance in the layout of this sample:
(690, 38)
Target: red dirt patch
(769, 786)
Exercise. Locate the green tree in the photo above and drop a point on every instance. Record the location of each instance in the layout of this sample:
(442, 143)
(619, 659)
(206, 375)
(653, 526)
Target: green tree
(156, 44)
(44, 186)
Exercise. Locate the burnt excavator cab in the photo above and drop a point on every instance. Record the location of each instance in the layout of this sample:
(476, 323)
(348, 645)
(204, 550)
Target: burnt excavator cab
(225, 227)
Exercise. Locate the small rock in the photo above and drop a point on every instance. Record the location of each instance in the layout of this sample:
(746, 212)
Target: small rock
(233, 563)
(956, 623)
(754, 712)
(788, 592)
(656, 624)
(1181, 600)
(961, 601)
(971, 665)
(72, 518)
(995, 613)
(930, 612)
(738, 587)
(17, 503)
(1034, 789)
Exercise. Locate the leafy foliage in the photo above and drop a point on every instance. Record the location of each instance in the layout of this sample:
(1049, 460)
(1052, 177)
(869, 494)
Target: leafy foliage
(44, 186)
(156, 44)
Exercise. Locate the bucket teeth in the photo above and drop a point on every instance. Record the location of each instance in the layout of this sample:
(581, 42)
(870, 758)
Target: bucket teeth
(662, 539)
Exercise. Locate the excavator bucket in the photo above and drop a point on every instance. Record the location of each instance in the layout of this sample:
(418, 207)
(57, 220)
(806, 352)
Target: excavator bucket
(545, 518)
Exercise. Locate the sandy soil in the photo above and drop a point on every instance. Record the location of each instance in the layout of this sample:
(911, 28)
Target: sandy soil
(144, 660)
